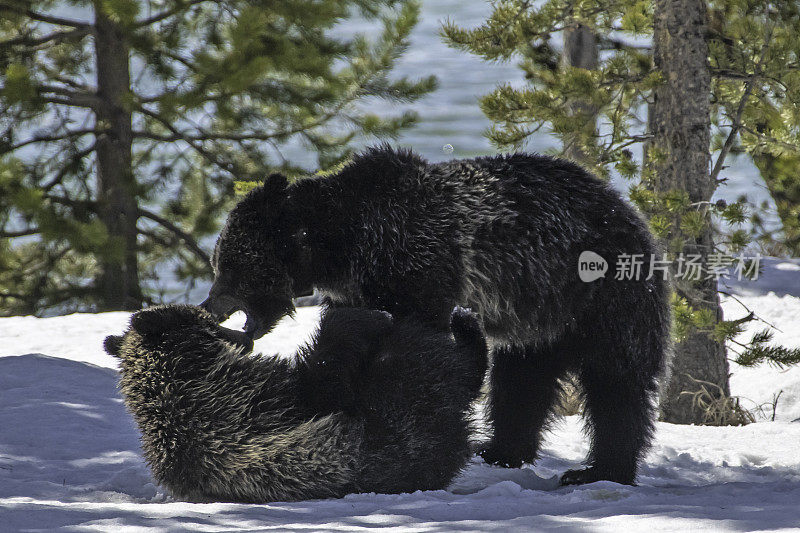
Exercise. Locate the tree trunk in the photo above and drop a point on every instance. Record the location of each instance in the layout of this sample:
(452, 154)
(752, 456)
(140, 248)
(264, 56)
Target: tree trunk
(118, 280)
(680, 124)
(580, 50)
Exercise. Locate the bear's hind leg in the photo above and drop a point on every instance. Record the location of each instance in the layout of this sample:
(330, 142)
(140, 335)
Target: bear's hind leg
(620, 414)
(524, 389)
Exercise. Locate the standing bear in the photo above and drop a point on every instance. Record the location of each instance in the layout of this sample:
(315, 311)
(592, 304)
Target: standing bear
(370, 405)
(500, 235)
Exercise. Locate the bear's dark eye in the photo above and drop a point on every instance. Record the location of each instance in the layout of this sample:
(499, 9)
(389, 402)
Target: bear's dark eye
(301, 237)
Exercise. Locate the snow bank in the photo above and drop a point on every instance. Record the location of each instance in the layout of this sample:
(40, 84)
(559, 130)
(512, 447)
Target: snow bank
(775, 299)
(70, 458)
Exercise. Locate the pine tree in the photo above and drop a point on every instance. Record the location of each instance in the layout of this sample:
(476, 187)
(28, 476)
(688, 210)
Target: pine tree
(754, 61)
(125, 123)
(580, 50)
(746, 103)
(679, 123)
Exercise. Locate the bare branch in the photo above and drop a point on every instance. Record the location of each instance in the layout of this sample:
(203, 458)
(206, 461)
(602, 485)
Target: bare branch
(728, 74)
(64, 91)
(56, 75)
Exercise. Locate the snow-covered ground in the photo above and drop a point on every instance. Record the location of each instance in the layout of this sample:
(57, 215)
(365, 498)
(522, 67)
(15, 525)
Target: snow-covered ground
(70, 459)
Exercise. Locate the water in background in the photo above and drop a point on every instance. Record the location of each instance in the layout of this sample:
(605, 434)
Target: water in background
(450, 117)
(451, 114)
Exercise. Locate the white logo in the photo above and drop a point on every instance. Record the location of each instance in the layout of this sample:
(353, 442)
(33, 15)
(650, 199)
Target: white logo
(591, 266)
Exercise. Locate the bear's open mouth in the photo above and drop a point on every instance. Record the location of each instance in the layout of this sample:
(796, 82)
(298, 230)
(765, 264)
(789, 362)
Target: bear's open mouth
(221, 307)
(254, 326)
(261, 317)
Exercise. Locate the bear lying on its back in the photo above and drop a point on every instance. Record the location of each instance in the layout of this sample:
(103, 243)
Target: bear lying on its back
(371, 405)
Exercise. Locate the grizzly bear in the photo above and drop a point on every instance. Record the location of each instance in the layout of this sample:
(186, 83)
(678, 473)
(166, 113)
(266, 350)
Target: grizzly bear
(372, 404)
(500, 235)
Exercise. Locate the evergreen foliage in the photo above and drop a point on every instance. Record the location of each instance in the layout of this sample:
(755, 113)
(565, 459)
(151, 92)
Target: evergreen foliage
(125, 123)
(758, 351)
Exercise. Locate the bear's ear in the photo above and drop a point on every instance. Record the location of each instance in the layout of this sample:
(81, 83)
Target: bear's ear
(113, 344)
(148, 321)
(276, 183)
(160, 319)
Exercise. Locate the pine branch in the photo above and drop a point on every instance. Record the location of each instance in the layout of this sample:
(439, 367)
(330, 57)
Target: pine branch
(69, 202)
(209, 136)
(20, 233)
(746, 308)
(737, 119)
(67, 167)
(155, 237)
(49, 138)
(182, 235)
(42, 17)
(209, 156)
(770, 139)
(778, 356)
(610, 43)
(158, 17)
(84, 101)
(58, 36)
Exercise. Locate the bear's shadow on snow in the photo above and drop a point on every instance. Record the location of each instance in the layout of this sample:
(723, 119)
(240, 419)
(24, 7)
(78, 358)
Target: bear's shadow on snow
(71, 433)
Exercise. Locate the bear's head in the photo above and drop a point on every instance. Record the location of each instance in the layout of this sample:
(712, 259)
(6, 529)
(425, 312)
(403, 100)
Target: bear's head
(259, 261)
(166, 326)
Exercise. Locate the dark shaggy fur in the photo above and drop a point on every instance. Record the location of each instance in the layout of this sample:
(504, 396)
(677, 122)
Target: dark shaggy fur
(500, 235)
(370, 405)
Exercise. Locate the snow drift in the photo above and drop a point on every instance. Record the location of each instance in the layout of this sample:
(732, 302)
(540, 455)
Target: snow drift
(70, 457)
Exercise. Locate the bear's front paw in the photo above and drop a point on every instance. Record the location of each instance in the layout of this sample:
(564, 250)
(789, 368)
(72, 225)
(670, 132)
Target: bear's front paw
(163, 318)
(591, 474)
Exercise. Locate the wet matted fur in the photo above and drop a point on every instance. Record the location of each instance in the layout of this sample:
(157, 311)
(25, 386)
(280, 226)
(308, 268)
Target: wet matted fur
(370, 405)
